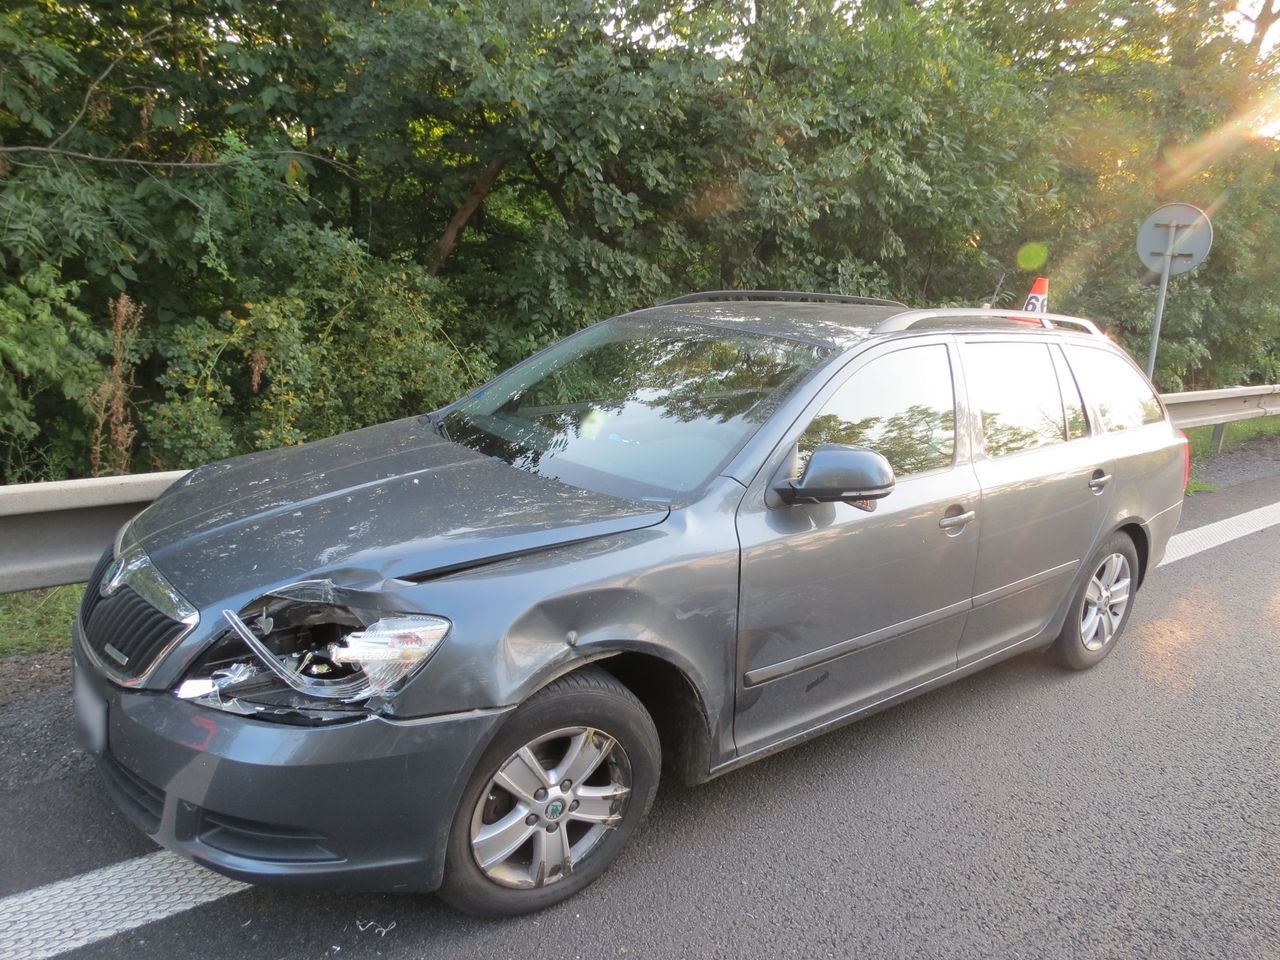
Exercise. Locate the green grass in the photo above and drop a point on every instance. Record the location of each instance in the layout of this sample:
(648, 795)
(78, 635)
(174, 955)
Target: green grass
(1237, 434)
(1199, 486)
(38, 621)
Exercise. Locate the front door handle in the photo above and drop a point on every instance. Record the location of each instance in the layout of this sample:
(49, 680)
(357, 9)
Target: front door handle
(1099, 481)
(957, 521)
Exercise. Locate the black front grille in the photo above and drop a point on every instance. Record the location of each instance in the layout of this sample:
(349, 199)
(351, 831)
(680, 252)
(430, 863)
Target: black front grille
(125, 631)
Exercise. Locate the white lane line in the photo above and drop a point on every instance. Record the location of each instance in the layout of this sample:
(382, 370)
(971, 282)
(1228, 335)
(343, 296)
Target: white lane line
(1191, 542)
(71, 913)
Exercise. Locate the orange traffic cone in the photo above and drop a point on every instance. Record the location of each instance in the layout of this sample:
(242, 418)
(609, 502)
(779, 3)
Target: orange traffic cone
(1038, 298)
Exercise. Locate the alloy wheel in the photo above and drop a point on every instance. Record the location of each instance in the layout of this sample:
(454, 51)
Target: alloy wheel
(1105, 602)
(549, 805)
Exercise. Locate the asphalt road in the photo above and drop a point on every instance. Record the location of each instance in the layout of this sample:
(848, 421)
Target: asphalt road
(1129, 811)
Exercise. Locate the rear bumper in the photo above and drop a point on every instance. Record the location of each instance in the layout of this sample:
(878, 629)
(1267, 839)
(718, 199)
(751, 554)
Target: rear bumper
(362, 806)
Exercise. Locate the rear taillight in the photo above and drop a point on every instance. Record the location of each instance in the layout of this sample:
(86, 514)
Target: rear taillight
(1186, 460)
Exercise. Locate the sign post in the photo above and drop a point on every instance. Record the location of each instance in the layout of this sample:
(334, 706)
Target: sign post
(1175, 238)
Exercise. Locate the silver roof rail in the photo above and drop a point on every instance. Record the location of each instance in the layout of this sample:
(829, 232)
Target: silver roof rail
(1050, 321)
(710, 295)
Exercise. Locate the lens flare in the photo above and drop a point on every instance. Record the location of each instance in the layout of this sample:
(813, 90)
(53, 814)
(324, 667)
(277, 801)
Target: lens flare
(1033, 256)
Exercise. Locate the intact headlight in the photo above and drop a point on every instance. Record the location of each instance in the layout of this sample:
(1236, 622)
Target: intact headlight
(312, 652)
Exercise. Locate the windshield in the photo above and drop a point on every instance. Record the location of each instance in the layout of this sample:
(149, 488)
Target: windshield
(640, 409)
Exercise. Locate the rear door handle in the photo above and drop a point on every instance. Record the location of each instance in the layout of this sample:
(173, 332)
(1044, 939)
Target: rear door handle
(959, 520)
(1099, 481)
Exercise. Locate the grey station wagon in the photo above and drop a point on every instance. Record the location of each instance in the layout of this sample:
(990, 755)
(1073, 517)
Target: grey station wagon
(455, 651)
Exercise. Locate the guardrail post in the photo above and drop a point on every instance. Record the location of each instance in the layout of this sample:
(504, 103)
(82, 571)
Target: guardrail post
(1219, 435)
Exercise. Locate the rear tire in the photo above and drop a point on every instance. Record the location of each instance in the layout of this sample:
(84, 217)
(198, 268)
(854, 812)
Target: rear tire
(1100, 606)
(553, 799)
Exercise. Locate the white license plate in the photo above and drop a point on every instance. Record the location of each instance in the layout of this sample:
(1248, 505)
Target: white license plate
(91, 713)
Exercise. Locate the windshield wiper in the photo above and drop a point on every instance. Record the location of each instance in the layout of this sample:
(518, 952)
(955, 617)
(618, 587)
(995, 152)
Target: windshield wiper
(437, 421)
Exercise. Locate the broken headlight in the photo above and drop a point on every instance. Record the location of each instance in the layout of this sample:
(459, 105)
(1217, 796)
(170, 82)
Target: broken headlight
(312, 653)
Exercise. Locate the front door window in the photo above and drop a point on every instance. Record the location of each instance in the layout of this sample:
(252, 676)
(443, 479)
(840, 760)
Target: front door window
(900, 405)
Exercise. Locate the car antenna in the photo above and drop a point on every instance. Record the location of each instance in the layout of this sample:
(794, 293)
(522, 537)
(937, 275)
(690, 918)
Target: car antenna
(996, 292)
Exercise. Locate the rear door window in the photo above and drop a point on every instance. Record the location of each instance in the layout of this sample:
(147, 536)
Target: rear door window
(1120, 396)
(1014, 387)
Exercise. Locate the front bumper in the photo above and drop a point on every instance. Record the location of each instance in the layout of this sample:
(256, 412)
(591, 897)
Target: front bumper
(365, 805)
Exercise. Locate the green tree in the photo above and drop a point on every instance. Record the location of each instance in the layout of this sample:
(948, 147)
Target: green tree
(331, 213)
(1155, 103)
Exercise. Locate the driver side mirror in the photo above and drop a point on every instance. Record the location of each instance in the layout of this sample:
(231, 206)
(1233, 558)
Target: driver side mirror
(837, 472)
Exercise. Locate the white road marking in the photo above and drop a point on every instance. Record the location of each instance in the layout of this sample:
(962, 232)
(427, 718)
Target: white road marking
(1190, 542)
(59, 917)
(72, 913)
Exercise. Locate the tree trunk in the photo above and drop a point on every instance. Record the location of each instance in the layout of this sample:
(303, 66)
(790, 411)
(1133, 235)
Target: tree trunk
(449, 240)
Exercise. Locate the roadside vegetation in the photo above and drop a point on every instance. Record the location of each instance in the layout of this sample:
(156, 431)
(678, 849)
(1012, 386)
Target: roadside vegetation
(235, 224)
(38, 621)
(1237, 434)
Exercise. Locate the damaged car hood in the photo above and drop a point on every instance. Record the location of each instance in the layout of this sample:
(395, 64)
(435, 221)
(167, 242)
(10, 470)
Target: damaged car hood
(391, 501)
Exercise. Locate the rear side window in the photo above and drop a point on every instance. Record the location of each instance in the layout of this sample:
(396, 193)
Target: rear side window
(1122, 398)
(900, 405)
(1014, 386)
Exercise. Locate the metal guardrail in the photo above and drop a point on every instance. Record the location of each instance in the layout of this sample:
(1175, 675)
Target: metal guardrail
(1202, 407)
(53, 533)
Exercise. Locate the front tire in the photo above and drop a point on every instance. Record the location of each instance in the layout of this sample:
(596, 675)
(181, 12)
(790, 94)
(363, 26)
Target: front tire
(1101, 605)
(554, 797)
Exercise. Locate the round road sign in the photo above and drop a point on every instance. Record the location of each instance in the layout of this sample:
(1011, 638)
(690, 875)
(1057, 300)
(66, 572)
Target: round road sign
(1176, 230)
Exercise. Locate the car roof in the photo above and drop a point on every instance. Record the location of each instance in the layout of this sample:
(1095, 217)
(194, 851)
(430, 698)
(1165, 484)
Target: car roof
(843, 325)
(828, 324)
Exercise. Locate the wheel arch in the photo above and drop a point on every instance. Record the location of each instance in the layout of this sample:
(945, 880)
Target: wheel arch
(670, 695)
(677, 709)
(1136, 532)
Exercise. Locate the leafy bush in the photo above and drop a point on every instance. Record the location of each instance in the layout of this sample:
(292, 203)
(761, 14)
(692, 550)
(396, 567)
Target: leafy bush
(48, 366)
(331, 339)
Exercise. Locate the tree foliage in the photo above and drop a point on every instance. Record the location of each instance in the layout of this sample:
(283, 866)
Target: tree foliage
(331, 213)
(1158, 103)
